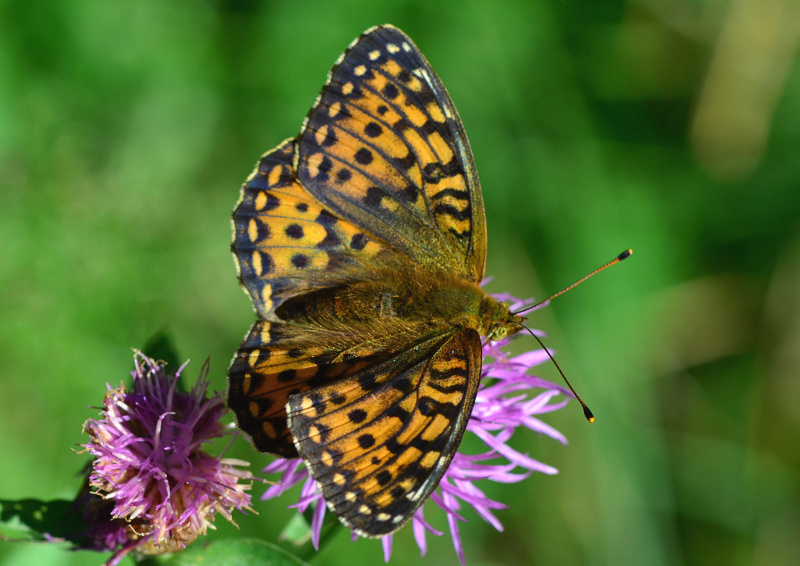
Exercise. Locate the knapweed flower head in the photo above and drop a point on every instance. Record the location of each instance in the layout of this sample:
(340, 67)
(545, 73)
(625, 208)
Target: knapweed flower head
(508, 398)
(150, 468)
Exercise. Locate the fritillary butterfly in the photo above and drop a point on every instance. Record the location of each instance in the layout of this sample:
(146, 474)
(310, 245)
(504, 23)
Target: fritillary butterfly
(362, 244)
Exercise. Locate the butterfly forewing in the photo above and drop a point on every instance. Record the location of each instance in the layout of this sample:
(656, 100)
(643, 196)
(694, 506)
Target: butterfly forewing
(384, 148)
(285, 242)
(378, 441)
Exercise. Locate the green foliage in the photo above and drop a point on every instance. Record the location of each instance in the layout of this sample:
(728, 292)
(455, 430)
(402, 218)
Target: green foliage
(161, 347)
(231, 552)
(31, 520)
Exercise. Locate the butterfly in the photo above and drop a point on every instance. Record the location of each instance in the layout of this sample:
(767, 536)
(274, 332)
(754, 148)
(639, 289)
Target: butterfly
(362, 244)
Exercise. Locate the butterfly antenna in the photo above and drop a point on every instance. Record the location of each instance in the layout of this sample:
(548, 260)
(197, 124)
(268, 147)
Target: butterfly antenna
(626, 254)
(586, 411)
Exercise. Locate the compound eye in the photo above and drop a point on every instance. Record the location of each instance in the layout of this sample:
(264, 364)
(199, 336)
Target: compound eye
(498, 333)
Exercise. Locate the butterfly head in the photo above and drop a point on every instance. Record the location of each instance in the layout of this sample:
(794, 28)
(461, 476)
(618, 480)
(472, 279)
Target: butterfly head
(498, 320)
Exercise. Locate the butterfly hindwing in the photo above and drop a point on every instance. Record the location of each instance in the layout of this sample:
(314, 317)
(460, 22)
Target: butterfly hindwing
(274, 362)
(385, 149)
(285, 242)
(379, 440)
(264, 372)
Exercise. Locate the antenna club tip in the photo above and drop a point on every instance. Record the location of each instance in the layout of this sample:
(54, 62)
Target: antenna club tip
(588, 414)
(626, 254)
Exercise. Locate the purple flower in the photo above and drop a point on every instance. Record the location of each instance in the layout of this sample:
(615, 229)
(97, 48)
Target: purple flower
(507, 399)
(150, 470)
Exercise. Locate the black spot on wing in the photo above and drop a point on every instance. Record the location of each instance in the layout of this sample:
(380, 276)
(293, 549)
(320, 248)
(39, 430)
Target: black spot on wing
(364, 156)
(373, 130)
(299, 260)
(344, 175)
(294, 231)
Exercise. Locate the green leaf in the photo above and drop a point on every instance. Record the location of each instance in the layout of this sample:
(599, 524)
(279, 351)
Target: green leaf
(297, 531)
(35, 520)
(230, 552)
(161, 347)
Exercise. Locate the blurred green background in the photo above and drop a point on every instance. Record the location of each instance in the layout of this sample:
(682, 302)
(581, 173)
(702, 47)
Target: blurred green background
(671, 127)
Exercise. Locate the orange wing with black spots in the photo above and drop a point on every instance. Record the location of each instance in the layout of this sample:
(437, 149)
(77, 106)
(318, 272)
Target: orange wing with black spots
(379, 441)
(385, 149)
(274, 362)
(285, 242)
